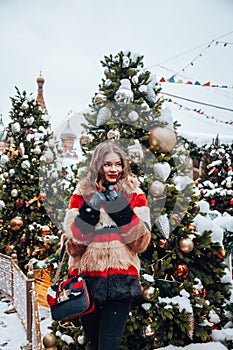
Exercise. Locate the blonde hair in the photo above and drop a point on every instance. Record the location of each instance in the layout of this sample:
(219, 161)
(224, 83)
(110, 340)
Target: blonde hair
(96, 173)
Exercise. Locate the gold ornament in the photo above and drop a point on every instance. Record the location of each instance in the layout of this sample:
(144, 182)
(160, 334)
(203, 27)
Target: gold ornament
(164, 138)
(157, 188)
(49, 340)
(16, 223)
(148, 292)
(186, 245)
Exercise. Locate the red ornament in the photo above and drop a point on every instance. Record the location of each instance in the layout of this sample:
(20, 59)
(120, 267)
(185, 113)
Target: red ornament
(163, 243)
(18, 204)
(213, 201)
(229, 168)
(215, 170)
(231, 201)
(181, 271)
(23, 238)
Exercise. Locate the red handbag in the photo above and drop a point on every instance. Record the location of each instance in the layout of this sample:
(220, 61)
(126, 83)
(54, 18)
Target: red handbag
(70, 298)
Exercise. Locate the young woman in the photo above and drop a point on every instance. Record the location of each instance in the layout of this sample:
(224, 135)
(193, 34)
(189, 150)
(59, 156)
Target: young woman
(107, 225)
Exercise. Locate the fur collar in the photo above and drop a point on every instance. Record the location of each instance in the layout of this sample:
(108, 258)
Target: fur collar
(129, 185)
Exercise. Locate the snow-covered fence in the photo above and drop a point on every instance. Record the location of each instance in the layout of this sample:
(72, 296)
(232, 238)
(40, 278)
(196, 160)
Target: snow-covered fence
(21, 289)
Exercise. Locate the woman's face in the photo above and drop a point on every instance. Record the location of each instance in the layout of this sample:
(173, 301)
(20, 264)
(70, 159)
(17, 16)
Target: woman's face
(112, 167)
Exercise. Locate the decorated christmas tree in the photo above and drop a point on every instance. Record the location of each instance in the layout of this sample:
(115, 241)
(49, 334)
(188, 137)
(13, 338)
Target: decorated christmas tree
(215, 182)
(27, 229)
(215, 187)
(184, 279)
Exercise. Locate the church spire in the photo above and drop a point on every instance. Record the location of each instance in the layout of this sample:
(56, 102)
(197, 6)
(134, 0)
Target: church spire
(40, 97)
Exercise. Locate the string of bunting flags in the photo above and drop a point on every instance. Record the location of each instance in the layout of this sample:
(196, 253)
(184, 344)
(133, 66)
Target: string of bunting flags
(199, 111)
(180, 81)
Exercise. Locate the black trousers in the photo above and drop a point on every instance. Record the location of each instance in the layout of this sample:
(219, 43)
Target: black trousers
(104, 327)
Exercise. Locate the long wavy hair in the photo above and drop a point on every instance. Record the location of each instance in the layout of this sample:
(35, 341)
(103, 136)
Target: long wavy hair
(96, 173)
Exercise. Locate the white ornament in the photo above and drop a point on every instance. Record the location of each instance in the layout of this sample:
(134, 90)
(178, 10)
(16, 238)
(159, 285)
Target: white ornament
(135, 79)
(37, 150)
(25, 164)
(108, 82)
(30, 120)
(162, 170)
(4, 159)
(103, 115)
(204, 206)
(124, 94)
(163, 225)
(12, 171)
(133, 116)
(14, 193)
(182, 181)
(15, 127)
(2, 204)
(24, 105)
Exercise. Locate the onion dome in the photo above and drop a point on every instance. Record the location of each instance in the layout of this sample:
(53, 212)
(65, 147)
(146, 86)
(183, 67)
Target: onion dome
(40, 98)
(68, 137)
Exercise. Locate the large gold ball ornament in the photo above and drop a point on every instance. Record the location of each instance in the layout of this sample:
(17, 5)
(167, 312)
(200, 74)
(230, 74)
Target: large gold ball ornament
(49, 340)
(164, 138)
(157, 188)
(16, 223)
(148, 292)
(186, 245)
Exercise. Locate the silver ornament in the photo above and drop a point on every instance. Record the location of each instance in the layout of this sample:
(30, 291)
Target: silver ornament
(102, 116)
(133, 116)
(124, 94)
(163, 225)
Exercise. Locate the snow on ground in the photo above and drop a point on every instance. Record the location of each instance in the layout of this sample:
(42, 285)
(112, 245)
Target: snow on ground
(11, 329)
(13, 334)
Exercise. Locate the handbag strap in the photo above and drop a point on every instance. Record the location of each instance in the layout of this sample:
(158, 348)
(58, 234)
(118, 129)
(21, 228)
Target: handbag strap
(60, 261)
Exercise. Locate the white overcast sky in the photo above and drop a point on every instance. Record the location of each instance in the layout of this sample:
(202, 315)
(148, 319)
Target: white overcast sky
(66, 39)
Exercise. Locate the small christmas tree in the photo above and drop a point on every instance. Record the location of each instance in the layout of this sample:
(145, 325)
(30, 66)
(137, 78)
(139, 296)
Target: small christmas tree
(27, 229)
(183, 268)
(215, 183)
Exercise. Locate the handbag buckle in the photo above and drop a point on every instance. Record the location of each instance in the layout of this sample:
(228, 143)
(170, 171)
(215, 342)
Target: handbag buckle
(64, 295)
